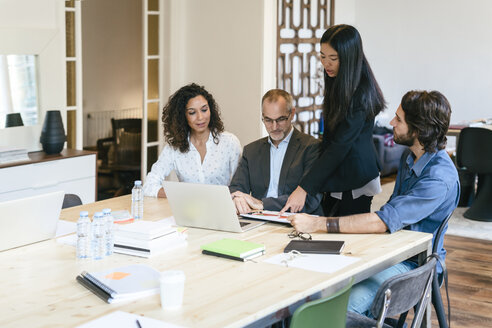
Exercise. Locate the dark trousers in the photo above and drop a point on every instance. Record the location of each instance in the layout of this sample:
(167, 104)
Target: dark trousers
(347, 205)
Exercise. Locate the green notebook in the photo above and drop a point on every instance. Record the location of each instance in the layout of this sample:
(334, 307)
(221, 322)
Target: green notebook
(234, 248)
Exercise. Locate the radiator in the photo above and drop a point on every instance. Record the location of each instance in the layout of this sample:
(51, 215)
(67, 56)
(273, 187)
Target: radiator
(97, 125)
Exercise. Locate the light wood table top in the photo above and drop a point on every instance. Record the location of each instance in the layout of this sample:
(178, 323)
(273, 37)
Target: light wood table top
(39, 289)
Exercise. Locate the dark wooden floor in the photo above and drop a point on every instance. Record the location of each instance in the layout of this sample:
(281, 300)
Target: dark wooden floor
(469, 263)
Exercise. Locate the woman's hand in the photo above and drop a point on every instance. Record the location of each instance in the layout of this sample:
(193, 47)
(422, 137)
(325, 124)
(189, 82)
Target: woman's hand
(161, 193)
(296, 201)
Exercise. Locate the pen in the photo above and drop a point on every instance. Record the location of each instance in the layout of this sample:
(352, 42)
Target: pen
(138, 324)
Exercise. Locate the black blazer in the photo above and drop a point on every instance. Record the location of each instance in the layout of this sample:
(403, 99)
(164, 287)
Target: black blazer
(253, 172)
(348, 160)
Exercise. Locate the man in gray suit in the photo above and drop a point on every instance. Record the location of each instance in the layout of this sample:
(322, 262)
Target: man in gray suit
(271, 167)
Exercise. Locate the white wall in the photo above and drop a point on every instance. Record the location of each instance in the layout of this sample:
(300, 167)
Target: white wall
(221, 45)
(35, 27)
(112, 54)
(443, 45)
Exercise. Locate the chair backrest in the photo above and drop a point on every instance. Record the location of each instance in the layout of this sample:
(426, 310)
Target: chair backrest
(407, 290)
(475, 150)
(127, 136)
(330, 311)
(440, 233)
(71, 200)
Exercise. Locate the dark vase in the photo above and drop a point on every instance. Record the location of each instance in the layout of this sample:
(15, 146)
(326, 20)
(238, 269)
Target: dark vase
(53, 134)
(13, 119)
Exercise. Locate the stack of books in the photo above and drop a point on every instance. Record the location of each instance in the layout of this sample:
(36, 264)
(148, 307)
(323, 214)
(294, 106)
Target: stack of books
(147, 238)
(9, 155)
(234, 249)
(122, 284)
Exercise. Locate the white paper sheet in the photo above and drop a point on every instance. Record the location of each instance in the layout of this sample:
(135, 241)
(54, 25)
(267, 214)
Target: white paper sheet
(122, 319)
(168, 221)
(273, 216)
(65, 228)
(325, 263)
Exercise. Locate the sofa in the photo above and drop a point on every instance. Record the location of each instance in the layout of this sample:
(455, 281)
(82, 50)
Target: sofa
(389, 153)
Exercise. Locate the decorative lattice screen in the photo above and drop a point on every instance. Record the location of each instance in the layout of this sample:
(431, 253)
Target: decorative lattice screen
(300, 25)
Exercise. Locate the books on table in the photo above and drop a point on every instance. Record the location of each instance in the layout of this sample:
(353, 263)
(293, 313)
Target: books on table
(144, 230)
(234, 249)
(147, 238)
(122, 283)
(10, 155)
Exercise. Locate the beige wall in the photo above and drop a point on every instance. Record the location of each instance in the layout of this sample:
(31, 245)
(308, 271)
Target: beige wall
(444, 45)
(227, 46)
(112, 54)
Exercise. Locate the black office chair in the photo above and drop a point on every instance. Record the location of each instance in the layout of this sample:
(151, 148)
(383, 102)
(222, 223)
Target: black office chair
(120, 157)
(397, 295)
(71, 200)
(474, 154)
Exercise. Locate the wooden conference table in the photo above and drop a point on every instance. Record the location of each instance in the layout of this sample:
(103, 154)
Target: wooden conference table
(38, 287)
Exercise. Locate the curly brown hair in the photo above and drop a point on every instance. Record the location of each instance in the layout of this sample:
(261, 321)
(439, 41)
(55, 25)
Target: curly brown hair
(428, 114)
(176, 128)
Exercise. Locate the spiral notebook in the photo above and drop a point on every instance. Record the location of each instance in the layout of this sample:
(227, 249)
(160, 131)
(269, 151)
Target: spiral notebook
(123, 283)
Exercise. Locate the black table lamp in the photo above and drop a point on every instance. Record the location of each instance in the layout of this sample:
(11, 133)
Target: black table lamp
(13, 119)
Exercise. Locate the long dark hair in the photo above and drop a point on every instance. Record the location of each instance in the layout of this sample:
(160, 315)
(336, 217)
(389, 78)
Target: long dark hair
(355, 84)
(428, 114)
(176, 128)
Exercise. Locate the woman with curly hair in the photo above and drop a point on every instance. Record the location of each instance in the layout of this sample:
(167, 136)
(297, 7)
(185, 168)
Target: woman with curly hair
(198, 149)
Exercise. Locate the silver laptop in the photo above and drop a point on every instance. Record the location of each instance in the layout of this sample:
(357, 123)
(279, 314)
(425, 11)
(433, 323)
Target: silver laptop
(205, 206)
(29, 220)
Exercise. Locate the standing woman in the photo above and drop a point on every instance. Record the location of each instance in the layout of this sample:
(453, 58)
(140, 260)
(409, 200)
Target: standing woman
(198, 148)
(348, 169)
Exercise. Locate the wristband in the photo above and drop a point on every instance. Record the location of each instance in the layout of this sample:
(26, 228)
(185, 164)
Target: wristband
(333, 225)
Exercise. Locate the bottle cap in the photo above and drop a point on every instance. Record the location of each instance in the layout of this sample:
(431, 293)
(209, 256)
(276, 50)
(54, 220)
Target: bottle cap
(98, 214)
(107, 210)
(138, 182)
(84, 213)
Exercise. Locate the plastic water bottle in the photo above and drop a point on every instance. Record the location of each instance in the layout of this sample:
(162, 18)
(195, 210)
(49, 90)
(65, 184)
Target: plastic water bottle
(98, 236)
(137, 200)
(83, 235)
(109, 231)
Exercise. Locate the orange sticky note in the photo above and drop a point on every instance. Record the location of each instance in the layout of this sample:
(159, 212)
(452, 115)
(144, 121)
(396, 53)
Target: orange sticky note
(117, 275)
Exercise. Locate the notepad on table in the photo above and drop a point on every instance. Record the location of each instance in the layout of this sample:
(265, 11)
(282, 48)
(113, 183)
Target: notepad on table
(265, 215)
(234, 249)
(145, 230)
(122, 283)
(315, 246)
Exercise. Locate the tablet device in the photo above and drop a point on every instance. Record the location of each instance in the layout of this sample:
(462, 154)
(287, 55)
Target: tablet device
(316, 246)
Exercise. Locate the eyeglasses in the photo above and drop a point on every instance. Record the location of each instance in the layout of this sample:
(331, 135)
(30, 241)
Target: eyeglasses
(302, 235)
(280, 120)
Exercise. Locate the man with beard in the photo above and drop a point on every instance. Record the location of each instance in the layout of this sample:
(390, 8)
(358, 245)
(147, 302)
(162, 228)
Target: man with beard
(426, 189)
(271, 168)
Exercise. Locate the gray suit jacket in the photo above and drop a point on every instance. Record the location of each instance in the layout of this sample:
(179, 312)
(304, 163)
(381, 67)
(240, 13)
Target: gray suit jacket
(253, 172)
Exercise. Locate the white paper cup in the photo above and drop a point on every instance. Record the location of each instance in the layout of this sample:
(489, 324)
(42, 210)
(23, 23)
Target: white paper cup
(172, 288)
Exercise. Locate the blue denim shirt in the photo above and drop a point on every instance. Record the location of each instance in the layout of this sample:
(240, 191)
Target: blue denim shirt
(425, 193)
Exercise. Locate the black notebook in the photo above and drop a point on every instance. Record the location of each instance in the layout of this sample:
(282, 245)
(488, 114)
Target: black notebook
(316, 246)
